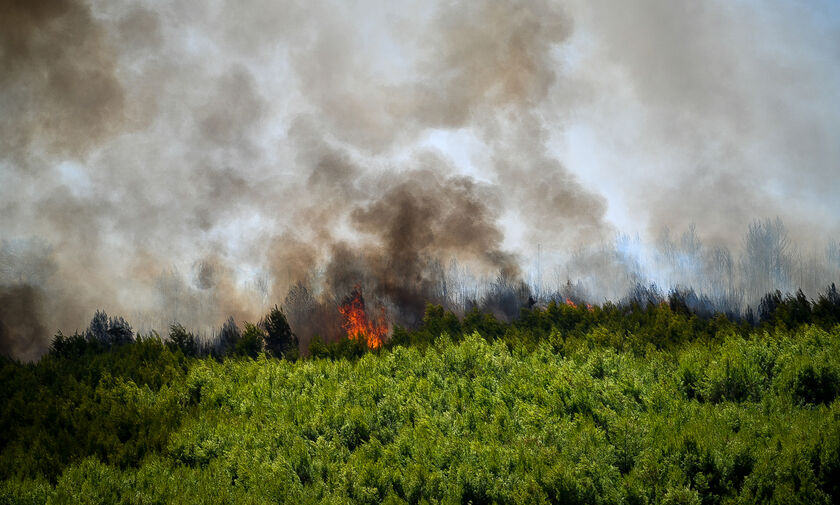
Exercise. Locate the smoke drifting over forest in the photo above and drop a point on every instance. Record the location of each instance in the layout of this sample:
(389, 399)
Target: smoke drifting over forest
(198, 160)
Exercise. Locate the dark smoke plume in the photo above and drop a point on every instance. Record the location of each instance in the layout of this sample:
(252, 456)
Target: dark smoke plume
(192, 162)
(21, 330)
(60, 91)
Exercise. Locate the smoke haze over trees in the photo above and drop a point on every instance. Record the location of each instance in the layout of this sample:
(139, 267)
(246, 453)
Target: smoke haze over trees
(189, 163)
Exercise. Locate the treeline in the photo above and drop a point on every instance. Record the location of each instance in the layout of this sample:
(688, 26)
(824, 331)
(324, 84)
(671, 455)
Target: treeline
(272, 335)
(768, 258)
(645, 317)
(726, 278)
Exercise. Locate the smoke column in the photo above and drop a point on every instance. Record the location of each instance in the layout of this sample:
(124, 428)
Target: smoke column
(198, 160)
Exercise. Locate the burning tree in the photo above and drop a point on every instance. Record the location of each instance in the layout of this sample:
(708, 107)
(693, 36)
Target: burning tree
(358, 324)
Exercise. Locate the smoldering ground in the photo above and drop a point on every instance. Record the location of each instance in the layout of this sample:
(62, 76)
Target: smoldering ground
(198, 160)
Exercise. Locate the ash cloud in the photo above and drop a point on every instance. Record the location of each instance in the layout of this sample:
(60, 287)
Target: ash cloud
(194, 162)
(721, 108)
(416, 222)
(60, 91)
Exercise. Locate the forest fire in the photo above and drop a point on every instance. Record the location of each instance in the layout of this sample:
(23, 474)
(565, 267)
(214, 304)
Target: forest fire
(357, 323)
(573, 305)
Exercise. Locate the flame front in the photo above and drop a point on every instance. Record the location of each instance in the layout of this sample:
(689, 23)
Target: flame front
(358, 325)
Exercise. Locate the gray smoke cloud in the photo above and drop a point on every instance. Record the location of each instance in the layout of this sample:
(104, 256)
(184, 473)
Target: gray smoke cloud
(725, 109)
(194, 161)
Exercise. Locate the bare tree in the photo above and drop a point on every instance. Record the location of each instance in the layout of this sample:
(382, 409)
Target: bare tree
(766, 263)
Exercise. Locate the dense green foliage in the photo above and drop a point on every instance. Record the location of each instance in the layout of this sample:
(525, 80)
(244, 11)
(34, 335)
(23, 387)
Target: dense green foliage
(566, 405)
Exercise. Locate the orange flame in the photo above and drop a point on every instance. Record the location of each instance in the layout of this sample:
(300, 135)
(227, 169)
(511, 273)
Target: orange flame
(570, 303)
(358, 325)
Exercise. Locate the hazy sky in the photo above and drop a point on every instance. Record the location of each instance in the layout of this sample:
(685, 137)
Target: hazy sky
(249, 139)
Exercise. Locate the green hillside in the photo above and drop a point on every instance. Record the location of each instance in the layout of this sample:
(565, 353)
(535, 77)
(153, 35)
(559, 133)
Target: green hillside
(740, 417)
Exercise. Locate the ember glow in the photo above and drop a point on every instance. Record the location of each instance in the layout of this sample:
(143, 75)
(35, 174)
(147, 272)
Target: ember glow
(359, 325)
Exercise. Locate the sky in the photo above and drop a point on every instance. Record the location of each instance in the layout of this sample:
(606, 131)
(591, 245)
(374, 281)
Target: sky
(212, 154)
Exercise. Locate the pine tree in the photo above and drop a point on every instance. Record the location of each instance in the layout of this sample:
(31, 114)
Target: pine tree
(279, 340)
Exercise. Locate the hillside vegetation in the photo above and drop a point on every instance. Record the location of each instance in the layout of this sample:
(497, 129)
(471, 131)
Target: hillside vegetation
(528, 414)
